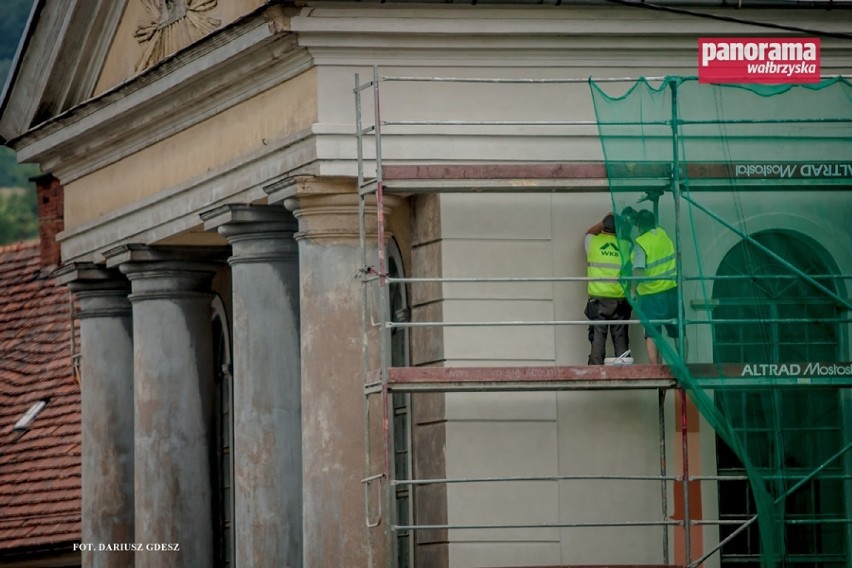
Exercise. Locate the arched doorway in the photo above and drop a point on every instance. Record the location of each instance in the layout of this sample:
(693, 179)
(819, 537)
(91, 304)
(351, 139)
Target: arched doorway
(787, 432)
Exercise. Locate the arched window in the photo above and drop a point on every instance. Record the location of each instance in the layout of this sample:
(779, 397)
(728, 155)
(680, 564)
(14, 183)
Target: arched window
(785, 430)
(775, 292)
(399, 311)
(224, 430)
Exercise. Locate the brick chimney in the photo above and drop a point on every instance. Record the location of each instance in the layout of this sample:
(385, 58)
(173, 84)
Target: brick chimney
(51, 204)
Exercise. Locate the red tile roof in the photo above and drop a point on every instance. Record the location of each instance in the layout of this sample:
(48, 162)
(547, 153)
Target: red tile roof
(39, 466)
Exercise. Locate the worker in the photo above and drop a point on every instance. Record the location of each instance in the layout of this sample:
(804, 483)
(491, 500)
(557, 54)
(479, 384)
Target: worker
(654, 256)
(606, 255)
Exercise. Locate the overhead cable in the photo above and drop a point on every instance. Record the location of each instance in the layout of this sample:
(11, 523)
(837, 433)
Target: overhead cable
(771, 25)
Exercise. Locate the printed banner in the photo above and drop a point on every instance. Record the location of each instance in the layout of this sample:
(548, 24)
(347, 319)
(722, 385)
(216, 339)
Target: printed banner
(769, 60)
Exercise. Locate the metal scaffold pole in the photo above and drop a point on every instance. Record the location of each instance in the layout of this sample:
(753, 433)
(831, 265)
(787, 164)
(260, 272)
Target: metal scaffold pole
(369, 477)
(388, 485)
(664, 490)
(384, 319)
(681, 341)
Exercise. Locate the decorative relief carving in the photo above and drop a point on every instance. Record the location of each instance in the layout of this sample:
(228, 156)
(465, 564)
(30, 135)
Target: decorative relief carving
(173, 25)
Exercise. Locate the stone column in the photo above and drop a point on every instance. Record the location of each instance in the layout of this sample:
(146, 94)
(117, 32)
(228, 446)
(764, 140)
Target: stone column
(335, 533)
(267, 383)
(106, 369)
(173, 403)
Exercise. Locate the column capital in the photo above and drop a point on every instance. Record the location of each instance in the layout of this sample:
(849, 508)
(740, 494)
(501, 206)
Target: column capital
(328, 208)
(101, 292)
(256, 233)
(166, 272)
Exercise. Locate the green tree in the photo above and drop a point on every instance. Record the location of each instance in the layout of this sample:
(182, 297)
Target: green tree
(18, 209)
(13, 174)
(18, 216)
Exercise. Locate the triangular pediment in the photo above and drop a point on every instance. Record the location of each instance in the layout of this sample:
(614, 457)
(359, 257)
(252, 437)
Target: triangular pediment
(59, 62)
(79, 49)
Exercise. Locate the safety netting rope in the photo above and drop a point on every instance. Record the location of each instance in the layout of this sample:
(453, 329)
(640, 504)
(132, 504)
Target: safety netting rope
(750, 183)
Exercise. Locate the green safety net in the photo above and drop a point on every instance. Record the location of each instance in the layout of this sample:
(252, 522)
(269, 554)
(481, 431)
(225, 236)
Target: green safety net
(752, 185)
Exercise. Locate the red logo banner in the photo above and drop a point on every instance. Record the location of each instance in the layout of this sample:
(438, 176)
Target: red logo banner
(769, 60)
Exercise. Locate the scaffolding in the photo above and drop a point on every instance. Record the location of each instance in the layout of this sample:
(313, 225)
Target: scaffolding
(385, 381)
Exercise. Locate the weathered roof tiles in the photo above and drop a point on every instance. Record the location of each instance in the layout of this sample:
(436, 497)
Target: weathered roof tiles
(39, 465)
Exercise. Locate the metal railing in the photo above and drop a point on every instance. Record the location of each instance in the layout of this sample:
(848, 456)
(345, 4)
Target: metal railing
(379, 486)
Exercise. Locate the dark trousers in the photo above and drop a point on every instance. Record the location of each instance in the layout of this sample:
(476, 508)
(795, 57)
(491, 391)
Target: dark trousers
(607, 309)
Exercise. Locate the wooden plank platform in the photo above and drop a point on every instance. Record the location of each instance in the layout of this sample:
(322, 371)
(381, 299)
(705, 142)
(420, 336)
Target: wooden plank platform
(603, 377)
(581, 377)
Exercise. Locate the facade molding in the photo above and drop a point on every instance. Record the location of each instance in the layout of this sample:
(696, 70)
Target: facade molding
(164, 100)
(240, 218)
(178, 258)
(177, 209)
(565, 36)
(405, 23)
(87, 272)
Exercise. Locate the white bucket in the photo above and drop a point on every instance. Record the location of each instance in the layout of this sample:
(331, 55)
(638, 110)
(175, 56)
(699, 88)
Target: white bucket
(618, 361)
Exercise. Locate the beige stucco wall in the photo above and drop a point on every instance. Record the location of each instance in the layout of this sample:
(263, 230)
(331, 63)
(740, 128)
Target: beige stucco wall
(222, 139)
(571, 432)
(538, 433)
(125, 52)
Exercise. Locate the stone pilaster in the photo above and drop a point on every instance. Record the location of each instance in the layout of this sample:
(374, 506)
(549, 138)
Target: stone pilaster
(267, 383)
(173, 402)
(335, 532)
(106, 370)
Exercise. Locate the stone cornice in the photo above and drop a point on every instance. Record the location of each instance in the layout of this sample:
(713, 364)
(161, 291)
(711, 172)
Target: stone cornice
(236, 215)
(186, 256)
(177, 209)
(257, 52)
(87, 273)
(406, 22)
(565, 36)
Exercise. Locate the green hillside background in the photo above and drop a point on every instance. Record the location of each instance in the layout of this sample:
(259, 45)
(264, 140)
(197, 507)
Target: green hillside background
(17, 194)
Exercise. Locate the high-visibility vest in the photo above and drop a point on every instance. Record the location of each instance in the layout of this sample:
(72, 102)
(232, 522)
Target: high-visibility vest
(605, 262)
(659, 261)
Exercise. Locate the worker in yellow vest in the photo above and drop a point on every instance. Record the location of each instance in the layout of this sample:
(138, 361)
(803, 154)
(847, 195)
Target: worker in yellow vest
(606, 255)
(654, 256)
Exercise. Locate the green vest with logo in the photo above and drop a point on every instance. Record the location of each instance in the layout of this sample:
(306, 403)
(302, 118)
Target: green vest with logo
(659, 261)
(605, 262)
